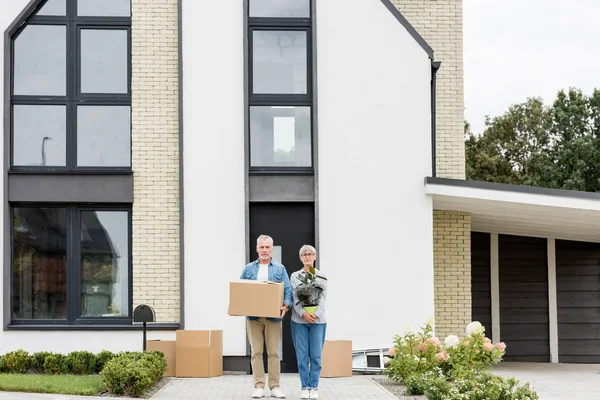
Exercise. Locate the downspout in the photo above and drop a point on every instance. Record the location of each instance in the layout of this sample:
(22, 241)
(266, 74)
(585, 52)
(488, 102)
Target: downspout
(435, 65)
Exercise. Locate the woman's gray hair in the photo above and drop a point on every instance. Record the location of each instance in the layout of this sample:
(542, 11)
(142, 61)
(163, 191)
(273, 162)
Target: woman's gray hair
(264, 237)
(309, 248)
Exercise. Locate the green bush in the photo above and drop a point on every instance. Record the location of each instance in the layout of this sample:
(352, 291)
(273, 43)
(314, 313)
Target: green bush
(56, 363)
(417, 384)
(482, 386)
(132, 373)
(81, 362)
(102, 358)
(18, 361)
(38, 359)
(3, 366)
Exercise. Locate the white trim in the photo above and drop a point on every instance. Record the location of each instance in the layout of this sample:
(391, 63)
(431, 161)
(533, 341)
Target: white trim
(495, 287)
(463, 193)
(552, 303)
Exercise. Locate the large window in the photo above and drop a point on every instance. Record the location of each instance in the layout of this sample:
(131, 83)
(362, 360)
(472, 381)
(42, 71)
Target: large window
(280, 83)
(71, 265)
(70, 87)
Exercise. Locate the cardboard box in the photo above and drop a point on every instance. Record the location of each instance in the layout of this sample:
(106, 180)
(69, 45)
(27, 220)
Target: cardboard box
(199, 354)
(167, 347)
(255, 298)
(336, 359)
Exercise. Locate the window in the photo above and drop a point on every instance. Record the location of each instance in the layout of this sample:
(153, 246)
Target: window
(71, 87)
(280, 85)
(71, 265)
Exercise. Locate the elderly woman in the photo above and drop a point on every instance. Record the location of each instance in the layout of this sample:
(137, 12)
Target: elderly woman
(309, 292)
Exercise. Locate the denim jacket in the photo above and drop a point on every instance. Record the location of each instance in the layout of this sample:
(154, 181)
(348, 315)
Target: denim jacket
(277, 273)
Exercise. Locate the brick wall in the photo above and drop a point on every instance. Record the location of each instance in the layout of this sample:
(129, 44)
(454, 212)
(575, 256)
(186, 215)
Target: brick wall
(452, 271)
(439, 22)
(155, 152)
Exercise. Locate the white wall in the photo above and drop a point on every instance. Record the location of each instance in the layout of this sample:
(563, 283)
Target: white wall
(10, 10)
(374, 138)
(213, 140)
(59, 341)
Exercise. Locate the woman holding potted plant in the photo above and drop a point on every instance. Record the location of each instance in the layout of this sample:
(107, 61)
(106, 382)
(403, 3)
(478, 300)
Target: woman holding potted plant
(309, 292)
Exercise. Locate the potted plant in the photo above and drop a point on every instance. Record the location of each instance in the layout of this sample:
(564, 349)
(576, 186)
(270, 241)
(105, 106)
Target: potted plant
(309, 289)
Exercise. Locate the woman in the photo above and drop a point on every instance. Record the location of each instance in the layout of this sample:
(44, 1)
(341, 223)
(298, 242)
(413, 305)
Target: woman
(309, 292)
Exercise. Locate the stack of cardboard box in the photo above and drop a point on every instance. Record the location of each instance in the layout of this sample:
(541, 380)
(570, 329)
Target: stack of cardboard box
(199, 353)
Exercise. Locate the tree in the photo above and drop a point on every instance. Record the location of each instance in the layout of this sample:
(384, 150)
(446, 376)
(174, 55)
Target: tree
(556, 146)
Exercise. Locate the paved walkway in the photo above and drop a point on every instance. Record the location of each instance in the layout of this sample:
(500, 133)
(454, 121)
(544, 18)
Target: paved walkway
(556, 381)
(551, 381)
(239, 387)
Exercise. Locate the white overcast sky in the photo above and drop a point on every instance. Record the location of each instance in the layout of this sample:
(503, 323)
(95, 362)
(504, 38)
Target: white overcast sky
(515, 49)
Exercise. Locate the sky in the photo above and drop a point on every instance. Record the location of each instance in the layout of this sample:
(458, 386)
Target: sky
(516, 49)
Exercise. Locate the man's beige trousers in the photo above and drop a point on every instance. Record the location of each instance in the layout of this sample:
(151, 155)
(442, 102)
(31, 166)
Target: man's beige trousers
(262, 331)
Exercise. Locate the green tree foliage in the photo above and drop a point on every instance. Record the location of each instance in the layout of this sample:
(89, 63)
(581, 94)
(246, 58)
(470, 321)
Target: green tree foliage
(555, 146)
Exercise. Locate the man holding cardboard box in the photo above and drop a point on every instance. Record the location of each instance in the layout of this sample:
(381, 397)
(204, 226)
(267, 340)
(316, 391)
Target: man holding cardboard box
(263, 330)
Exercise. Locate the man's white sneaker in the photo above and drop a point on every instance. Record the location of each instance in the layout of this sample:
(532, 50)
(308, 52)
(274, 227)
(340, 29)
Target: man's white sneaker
(277, 393)
(305, 394)
(314, 394)
(258, 393)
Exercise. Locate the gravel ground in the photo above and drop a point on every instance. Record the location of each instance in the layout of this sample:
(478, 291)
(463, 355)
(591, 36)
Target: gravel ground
(395, 388)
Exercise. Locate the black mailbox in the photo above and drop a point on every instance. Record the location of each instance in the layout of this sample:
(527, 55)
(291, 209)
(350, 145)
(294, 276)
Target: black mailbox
(144, 313)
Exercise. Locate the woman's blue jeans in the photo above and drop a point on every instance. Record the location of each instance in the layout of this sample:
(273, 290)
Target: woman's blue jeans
(308, 341)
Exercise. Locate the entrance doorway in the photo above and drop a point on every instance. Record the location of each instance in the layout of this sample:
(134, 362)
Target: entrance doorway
(291, 225)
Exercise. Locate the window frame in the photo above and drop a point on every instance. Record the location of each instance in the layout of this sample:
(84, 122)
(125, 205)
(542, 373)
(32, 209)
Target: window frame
(73, 268)
(272, 99)
(72, 98)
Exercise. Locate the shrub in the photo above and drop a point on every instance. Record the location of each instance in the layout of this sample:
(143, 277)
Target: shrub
(81, 362)
(18, 361)
(472, 355)
(38, 359)
(3, 366)
(419, 352)
(418, 383)
(102, 358)
(132, 373)
(56, 363)
(415, 353)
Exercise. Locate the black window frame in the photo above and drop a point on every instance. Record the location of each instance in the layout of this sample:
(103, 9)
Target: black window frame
(73, 97)
(73, 268)
(271, 99)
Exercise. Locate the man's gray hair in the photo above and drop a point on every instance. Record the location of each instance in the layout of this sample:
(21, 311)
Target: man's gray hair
(264, 237)
(309, 248)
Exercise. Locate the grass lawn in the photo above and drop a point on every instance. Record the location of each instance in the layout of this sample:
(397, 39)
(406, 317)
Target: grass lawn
(89, 385)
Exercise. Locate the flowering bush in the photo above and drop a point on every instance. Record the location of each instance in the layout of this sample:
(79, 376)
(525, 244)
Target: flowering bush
(414, 353)
(473, 354)
(453, 370)
(418, 352)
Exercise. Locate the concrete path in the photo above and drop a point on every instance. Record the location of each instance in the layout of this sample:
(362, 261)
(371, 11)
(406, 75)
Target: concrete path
(556, 381)
(239, 387)
(551, 381)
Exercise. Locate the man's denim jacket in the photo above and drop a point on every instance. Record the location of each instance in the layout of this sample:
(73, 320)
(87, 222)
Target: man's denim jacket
(277, 273)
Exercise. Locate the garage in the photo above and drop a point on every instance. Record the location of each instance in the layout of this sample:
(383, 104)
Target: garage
(578, 301)
(523, 279)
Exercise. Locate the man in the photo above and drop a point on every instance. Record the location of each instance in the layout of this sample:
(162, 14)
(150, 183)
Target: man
(266, 330)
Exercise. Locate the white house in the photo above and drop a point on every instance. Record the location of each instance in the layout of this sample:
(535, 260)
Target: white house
(148, 144)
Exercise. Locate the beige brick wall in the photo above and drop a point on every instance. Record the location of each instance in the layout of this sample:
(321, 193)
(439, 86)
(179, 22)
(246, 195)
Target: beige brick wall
(452, 271)
(155, 150)
(439, 22)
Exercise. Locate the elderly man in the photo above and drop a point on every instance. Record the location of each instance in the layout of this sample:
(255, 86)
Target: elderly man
(266, 330)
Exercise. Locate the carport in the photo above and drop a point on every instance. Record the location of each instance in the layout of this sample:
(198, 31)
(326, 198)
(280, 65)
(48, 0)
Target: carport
(535, 266)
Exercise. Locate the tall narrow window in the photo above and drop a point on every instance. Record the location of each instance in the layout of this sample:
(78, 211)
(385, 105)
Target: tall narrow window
(70, 94)
(280, 83)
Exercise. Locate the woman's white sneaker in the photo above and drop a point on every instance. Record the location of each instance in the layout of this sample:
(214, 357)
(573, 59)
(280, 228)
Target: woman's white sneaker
(305, 394)
(258, 393)
(314, 394)
(277, 393)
